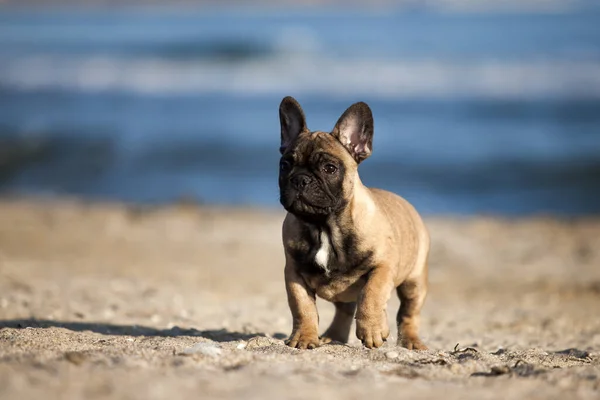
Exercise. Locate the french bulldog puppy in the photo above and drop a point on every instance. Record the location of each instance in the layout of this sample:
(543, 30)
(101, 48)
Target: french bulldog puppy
(346, 243)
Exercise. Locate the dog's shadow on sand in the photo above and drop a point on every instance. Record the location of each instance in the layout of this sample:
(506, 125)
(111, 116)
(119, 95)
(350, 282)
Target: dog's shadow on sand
(217, 335)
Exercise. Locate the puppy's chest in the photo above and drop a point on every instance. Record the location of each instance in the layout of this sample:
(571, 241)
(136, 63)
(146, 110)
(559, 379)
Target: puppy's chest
(324, 257)
(314, 252)
(318, 252)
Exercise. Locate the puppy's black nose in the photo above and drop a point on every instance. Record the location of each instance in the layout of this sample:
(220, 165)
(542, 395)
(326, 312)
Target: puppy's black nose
(301, 181)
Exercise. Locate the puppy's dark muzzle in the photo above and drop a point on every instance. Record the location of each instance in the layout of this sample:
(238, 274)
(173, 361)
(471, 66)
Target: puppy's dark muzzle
(301, 181)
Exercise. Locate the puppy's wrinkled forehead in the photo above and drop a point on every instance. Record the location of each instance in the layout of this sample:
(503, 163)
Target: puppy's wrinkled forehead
(308, 143)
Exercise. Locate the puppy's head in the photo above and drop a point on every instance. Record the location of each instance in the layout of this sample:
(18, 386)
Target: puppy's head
(317, 169)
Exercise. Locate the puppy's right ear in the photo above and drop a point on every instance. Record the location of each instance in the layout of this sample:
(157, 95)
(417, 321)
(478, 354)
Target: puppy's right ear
(291, 118)
(354, 130)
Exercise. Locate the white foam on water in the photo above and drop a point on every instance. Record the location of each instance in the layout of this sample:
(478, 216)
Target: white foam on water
(307, 75)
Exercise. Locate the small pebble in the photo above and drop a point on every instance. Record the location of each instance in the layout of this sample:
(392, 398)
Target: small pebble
(456, 368)
(500, 370)
(260, 341)
(392, 354)
(241, 346)
(203, 348)
(75, 357)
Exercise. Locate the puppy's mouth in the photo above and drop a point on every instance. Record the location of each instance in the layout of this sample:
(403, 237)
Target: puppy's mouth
(302, 206)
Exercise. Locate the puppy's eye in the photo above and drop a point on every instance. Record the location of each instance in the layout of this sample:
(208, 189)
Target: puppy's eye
(329, 168)
(284, 165)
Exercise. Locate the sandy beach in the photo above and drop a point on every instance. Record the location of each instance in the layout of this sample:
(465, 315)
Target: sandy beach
(103, 300)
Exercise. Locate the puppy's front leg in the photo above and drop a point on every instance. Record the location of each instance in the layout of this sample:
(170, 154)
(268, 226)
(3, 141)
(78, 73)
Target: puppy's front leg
(302, 302)
(371, 317)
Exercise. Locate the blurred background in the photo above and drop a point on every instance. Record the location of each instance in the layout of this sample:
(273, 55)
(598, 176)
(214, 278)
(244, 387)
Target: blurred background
(480, 106)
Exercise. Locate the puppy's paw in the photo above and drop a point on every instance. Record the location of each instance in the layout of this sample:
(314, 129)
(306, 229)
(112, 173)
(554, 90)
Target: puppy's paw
(372, 333)
(411, 343)
(303, 339)
(325, 340)
(333, 335)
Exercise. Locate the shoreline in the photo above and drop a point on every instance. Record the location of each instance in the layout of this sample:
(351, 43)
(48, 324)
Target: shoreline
(191, 203)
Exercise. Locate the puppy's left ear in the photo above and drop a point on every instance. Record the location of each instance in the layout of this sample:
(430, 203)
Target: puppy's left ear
(354, 130)
(292, 121)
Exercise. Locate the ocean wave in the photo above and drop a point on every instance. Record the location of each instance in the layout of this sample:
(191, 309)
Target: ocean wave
(305, 75)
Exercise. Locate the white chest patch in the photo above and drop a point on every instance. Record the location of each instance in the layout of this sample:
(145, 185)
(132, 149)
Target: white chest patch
(322, 256)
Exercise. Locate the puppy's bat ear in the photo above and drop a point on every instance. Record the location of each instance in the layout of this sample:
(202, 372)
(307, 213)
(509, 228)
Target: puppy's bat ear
(354, 130)
(292, 120)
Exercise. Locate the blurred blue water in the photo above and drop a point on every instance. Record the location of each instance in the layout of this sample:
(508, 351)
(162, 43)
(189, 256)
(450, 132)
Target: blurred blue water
(494, 113)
